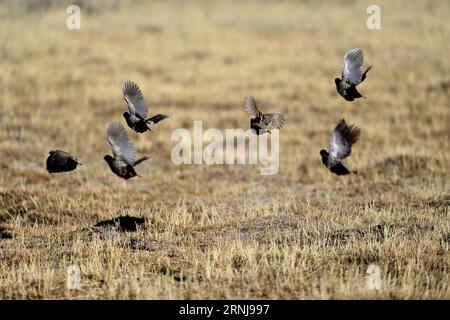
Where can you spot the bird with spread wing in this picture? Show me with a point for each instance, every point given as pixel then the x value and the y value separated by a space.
pixel 342 139
pixel 261 123
pixel 138 109
pixel 352 75
pixel 124 152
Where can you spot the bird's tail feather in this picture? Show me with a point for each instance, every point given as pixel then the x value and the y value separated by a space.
pixel 141 160
pixel 156 118
pixel 365 72
pixel 354 92
pixel 345 164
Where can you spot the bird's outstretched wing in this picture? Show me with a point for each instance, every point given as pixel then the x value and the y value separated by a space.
pixel 342 139
pixel 135 100
pixel 352 70
pixel 251 107
pixel 274 120
pixel 123 148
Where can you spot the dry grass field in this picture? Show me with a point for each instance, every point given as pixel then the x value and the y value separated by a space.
pixel 225 231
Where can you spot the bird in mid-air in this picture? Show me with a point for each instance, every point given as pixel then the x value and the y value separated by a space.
pixel 123 162
pixel 61 161
pixel 352 75
pixel 262 123
pixel 342 139
pixel 136 118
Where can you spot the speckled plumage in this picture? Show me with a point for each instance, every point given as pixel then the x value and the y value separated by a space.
pixel 261 123
pixel 61 161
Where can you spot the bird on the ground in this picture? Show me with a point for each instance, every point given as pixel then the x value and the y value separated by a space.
pixel 138 109
pixel 61 161
pixel 342 139
pixel 261 123
pixel 352 75
pixel 123 162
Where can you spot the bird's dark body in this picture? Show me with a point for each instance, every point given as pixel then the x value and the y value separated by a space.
pixel 339 169
pixel 124 171
pixel 141 125
pixel 255 125
pixel 136 123
pixel 334 166
pixel 60 161
pixel 346 90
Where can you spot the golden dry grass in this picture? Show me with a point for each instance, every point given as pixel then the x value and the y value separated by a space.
pixel 226 231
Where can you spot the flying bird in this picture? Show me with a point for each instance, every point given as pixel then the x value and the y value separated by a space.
pixel 61 161
pixel 138 109
pixel 342 139
pixel 262 123
pixel 352 75
pixel 123 162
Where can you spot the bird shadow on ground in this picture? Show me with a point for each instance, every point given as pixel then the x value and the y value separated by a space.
pixel 122 223
pixel 5 234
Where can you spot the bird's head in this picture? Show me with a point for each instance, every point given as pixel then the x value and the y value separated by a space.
pixel 108 158
pixel 126 115
pixel 323 153
pixel 337 80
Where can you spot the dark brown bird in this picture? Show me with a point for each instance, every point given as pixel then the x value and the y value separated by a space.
pixel 61 161
pixel 123 162
pixel 123 223
pixel 352 75
pixel 262 123
pixel 342 139
pixel 138 107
